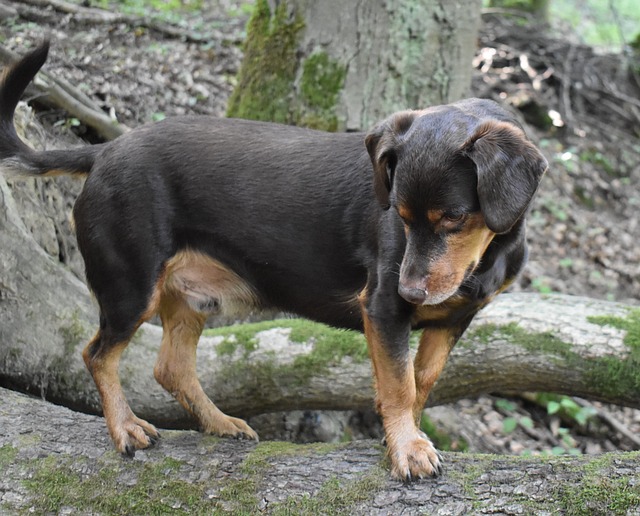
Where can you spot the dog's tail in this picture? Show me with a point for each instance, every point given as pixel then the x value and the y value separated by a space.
pixel 16 158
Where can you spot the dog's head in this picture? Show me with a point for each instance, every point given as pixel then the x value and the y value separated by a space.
pixel 457 175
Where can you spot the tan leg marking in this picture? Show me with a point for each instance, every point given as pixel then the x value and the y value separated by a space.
pixel 411 453
pixel 128 432
pixel 434 349
pixel 175 368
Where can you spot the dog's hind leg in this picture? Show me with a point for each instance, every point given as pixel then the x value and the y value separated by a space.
pixel 175 368
pixel 102 357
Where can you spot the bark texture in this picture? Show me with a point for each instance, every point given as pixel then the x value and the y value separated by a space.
pixel 308 66
pixel 49 469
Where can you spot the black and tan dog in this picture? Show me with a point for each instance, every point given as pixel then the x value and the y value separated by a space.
pixel 196 216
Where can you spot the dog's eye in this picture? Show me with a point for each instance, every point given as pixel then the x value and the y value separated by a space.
pixel 452 221
pixel 453 217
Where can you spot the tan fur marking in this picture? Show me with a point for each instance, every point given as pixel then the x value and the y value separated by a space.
pixel 434 349
pixel 463 249
pixel 405 213
pixel 439 311
pixel 410 451
pixel 434 216
pixel 188 280
pixel 175 368
pixel 126 430
pixel 198 277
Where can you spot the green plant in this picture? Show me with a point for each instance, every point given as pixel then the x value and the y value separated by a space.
pixel 541 285
pixel 565 407
pixel 512 419
pixel 600 160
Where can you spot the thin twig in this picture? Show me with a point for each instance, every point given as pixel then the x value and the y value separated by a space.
pixel 610 420
pixel 72 100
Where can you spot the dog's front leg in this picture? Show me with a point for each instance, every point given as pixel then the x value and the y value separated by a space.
pixel 434 349
pixel 411 453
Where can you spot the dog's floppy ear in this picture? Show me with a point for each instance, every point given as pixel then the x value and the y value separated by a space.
pixel 509 169
pixel 382 144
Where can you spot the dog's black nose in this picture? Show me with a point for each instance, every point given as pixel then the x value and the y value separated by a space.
pixel 417 296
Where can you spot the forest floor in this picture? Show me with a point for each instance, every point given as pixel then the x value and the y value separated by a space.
pixel 584 227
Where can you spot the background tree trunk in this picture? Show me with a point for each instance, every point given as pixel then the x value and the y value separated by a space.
pixel 337 65
pixel 46 468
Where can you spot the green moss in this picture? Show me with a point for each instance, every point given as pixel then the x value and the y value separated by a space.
pixel 329 347
pixel 321 82
pixel 631 324
pixel 600 492
pixel 269 66
pixel 275 83
pixel 482 334
pixel 469 477
pixel 74 332
pixel 616 375
pixel 258 459
pixel 336 496
pixel 543 341
pixel 58 482
pixel 612 375
pixel 240 494
pixel 7 455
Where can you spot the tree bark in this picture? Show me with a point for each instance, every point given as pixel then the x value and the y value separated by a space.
pixel 49 469
pixel 338 65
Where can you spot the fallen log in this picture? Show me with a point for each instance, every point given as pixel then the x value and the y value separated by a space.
pixel 57 461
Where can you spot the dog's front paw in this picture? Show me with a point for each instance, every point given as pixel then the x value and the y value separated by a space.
pixel 414 458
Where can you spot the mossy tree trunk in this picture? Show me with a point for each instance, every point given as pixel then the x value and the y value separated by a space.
pixel 344 65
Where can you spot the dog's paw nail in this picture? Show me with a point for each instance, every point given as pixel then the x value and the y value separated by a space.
pixel 129 452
